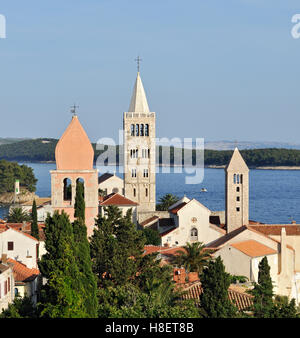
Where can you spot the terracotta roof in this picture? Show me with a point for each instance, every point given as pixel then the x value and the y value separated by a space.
pixel 253 248
pixel 7 227
pixel 149 249
pixel 116 199
pixel 3 267
pixel 25 229
pixel 149 220
pixel 22 273
pixel 275 229
pixel 177 208
pixel 241 300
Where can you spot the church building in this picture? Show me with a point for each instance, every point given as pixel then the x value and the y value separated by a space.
pixel 74 156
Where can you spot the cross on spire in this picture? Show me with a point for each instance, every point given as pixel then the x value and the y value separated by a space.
pixel 73 109
pixel 138 60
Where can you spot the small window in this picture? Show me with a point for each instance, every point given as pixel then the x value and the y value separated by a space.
pixel 137 130
pixel 238 198
pixel 234 178
pixel 146 192
pixel 237 189
pixel 8 283
pixel 10 246
pixel 134 192
pixel 146 173
pixel 142 130
pixel 146 129
pixel 132 130
pixel 241 178
pixel 16 291
pixel 133 172
pixel 238 179
pixel 237 209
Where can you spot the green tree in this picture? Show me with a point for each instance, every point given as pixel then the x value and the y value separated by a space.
pixel 20 308
pixel 83 256
pixel 61 296
pixel 194 257
pixel 283 308
pixel 34 223
pixel 214 298
pixel 79 202
pixel 166 201
pixel 151 236
pixel 116 247
pixel 263 291
pixel 17 215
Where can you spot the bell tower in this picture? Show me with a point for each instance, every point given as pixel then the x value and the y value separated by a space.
pixel 74 156
pixel 237 192
pixel 139 150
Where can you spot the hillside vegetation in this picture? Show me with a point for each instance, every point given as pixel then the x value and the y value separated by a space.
pixel 43 150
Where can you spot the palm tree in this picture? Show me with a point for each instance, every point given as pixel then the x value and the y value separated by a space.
pixel 17 215
pixel 193 258
pixel 166 201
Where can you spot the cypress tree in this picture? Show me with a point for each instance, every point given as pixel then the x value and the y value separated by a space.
pixel 263 291
pixel 79 202
pixel 214 298
pixel 83 256
pixel 34 224
pixel 61 296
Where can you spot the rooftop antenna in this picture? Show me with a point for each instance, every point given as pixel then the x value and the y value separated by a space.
pixel 138 60
pixel 73 109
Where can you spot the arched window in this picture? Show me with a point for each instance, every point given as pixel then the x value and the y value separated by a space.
pixel 194 234
pixel 146 129
pixel 134 192
pixel 238 179
pixel 137 130
pixel 241 178
pixel 146 192
pixel 234 178
pixel 132 130
pixel 67 189
pixel 142 130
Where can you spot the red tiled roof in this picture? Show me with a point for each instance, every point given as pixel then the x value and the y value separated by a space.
pixel 22 273
pixel 253 248
pixel 177 208
pixel 275 229
pixel 241 300
pixel 222 240
pixel 116 199
pixel 3 229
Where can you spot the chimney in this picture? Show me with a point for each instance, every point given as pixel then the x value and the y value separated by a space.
pixel 283 253
pixel 24 226
pixel 4 258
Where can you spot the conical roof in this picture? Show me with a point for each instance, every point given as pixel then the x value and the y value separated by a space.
pixel 237 163
pixel 138 100
pixel 74 150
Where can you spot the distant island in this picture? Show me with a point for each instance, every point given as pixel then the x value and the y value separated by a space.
pixel 43 150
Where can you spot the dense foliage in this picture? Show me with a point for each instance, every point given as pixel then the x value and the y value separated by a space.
pixel 152 236
pixel 11 171
pixel 264 304
pixel 37 150
pixel 214 298
pixel 131 284
pixel 17 215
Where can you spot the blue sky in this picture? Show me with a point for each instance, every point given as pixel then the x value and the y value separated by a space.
pixel 222 70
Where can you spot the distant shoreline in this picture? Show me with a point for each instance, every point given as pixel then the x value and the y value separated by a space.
pixel 210 166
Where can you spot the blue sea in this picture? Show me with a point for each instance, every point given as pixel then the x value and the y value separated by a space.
pixel 274 194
